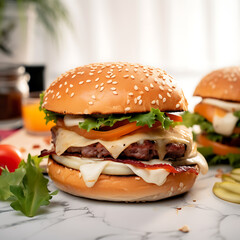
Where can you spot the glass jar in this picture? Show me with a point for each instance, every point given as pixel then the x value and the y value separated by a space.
pixel 13 88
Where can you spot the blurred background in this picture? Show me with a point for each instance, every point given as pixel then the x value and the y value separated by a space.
pixel 186 38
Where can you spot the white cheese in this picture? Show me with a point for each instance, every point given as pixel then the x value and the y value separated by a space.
pixel 70 120
pixel 224 125
pixel 178 134
pixel 92 168
pixel 228 106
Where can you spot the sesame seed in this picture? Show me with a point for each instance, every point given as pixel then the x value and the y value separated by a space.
pixel 70 85
pixel 153 102
pixel 178 105
pixel 113 88
pixel 147 75
pixel 93 97
pixel 88 80
pixel 59 97
pixel 130 94
pixel 107 76
pixel 81 82
pixel 139 97
pixel 151 85
pixel 127 108
pixel 65 83
pixel 140 102
pixel 90 73
pixel 114 82
pixel 155 80
pixel 90 103
pixel 126 76
pixel 157 102
pixel 132 77
pixel 146 88
pixel 163 83
pixel 73 76
pixel 72 94
pixel 67 90
pixel 160 96
pixel 101 89
pixel 60 85
pixel 57 94
pixel 168 94
pixel 126 70
pixel 128 101
pixel 113 76
pixel 135 69
pixel 96 79
pixel 164 99
pixel 161 87
pixel 170 90
pixel 136 87
pixel 114 92
pixel 135 100
pixel 101 84
pixel 96 86
pixel 99 71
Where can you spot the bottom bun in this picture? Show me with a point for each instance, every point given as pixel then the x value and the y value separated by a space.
pixel 119 188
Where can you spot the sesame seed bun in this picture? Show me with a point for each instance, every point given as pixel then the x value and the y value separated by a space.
pixel 114 87
pixel 223 84
pixel 119 188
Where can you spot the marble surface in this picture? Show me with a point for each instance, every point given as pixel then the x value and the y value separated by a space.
pixel 70 217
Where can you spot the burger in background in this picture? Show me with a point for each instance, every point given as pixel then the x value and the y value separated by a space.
pixel 117 137
pixel 218 115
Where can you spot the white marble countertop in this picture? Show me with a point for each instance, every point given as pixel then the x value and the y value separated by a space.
pixel 70 217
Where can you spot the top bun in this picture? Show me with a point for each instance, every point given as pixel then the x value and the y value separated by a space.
pixel 223 84
pixel 114 87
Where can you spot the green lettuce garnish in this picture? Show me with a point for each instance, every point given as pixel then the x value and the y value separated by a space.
pixel 213 159
pixel 49 115
pixel 26 188
pixel 141 119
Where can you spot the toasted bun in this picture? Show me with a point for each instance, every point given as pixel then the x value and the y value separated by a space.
pixel 118 87
pixel 223 84
pixel 119 188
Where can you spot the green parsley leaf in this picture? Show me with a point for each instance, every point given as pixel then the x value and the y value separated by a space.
pixel 141 119
pixel 49 115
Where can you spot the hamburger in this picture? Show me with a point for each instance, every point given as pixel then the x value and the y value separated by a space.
pixel 218 115
pixel 117 136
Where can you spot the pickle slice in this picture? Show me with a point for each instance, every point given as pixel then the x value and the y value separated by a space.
pixel 236 171
pixel 236 177
pixel 225 194
pixel 227 178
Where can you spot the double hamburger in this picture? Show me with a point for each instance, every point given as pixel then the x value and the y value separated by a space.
pixel 117 135
pixel 218 115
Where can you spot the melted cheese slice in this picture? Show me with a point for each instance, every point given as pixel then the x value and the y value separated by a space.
pixel 92 168
pixel 223 124
pixel 178 134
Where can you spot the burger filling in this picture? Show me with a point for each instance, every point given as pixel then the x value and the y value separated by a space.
pixel 219 135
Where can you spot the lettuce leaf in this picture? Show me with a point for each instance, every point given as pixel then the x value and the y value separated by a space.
pixel 237 114
pixel 49 115
pixel 26 188
pixel 141 119
pixel 213 159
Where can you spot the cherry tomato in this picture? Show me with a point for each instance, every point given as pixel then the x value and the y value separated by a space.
pixel 10 156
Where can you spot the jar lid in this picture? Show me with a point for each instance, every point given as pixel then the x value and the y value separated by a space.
pixel 11 71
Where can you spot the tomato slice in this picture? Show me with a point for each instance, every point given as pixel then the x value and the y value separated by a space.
pixel 218 148
pixel 174 117
pixel 10 156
